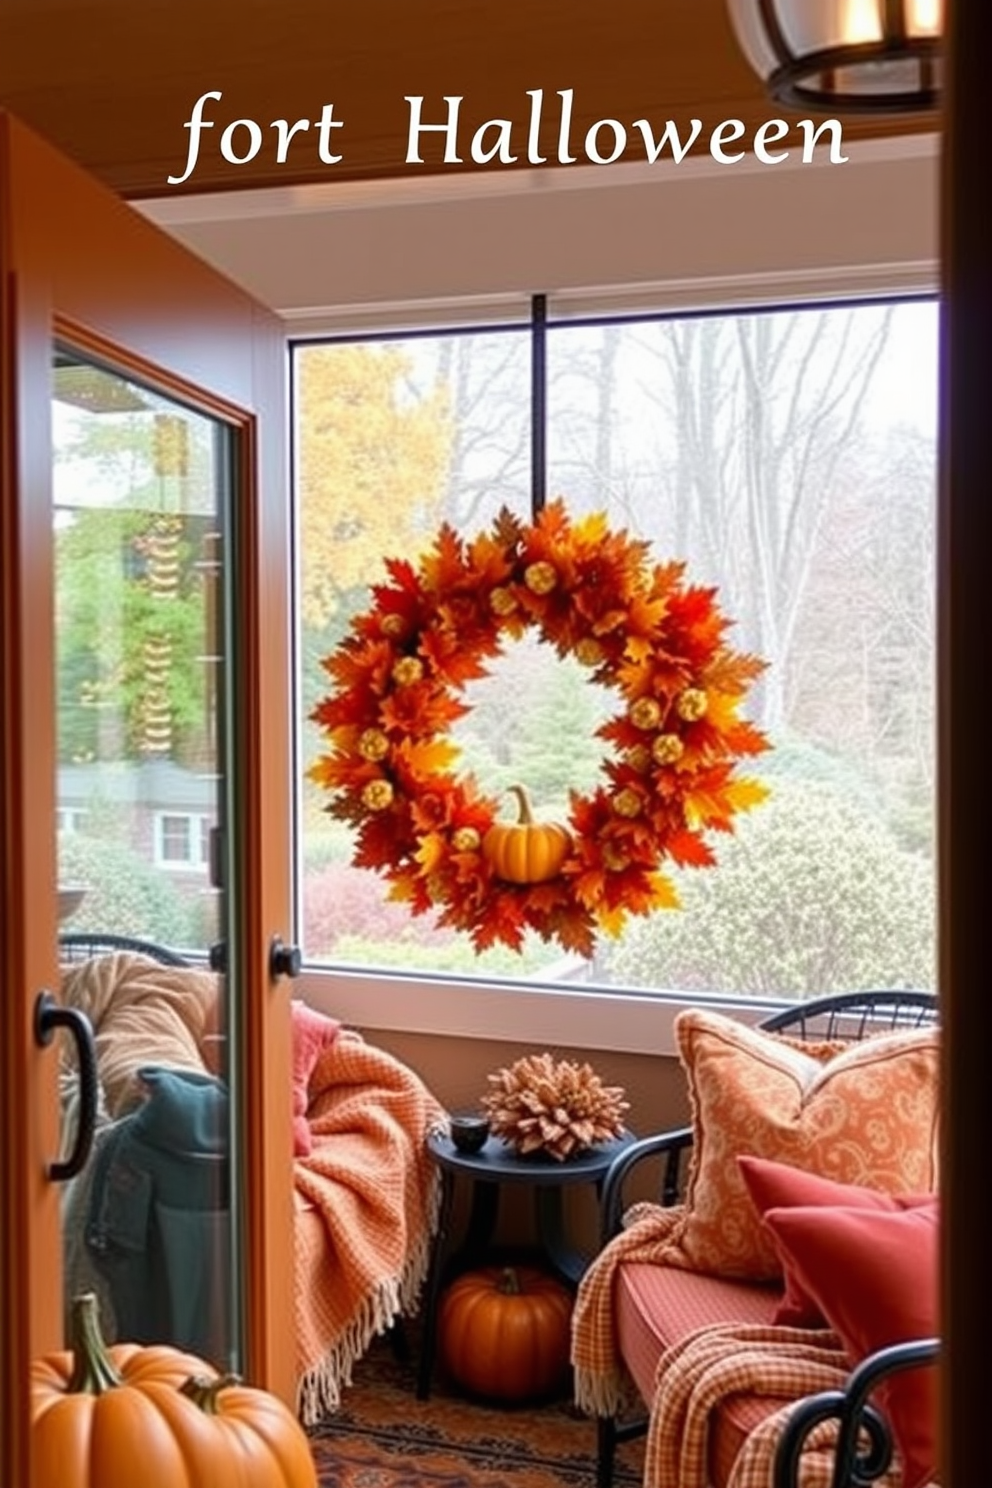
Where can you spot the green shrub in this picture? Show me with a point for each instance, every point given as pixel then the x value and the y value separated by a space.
pixel 125 893
pixel 809 896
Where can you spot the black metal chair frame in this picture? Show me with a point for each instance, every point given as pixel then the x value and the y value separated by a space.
pixel 847 1015
pixel 864 1441
pixel 80 945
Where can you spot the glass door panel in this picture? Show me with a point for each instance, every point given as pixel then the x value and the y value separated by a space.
pixel 144 760
pixel 141 499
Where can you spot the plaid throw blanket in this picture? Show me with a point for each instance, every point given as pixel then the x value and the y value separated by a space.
pixel 602 1386
pixel 706 1367
pixel 376 1190
pixel 700 1372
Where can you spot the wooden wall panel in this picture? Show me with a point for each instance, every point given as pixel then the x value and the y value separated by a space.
pixel 111 83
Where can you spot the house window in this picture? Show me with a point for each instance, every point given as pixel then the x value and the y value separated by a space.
pixel 182 841
pixel 71 819
pixel 788 457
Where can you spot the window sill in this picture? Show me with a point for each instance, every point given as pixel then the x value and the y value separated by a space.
pixel 621 1022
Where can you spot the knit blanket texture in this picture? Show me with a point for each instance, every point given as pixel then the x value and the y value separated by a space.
pixel 376 1189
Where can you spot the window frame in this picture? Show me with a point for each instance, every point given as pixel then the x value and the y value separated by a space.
pixel 639 238
pixel 617 1019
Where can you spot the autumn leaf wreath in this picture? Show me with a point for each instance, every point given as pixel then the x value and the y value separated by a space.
pixel 668 781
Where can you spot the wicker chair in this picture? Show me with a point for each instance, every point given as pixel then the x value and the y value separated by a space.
pixel 851 1016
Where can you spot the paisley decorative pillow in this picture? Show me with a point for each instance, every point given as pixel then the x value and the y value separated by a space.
pixel 867 1116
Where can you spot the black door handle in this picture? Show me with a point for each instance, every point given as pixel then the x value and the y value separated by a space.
pixel 48 1016
pixel 284 960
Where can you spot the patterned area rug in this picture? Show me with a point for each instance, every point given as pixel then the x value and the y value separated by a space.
pixel 384 1437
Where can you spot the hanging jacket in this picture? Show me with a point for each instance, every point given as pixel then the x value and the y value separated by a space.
pixel 158 1226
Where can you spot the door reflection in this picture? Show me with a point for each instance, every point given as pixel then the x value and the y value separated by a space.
pixel 141 493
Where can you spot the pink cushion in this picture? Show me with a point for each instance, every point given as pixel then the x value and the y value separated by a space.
pixel 313 1032
pixel 774 1185
pixel 873 1274
pixel 656 1306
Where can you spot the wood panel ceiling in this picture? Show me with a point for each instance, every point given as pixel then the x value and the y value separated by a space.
pixel 111 82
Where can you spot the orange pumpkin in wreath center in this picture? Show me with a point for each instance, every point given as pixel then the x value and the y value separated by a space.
pixel 526 851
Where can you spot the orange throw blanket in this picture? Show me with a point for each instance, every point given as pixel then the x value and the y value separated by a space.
pixel 367 1210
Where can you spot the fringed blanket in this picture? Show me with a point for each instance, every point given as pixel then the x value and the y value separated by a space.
pixel 366 1196
pixel 700 1372
pixel 704 1369
pixel 370 1179
pixel 602 1386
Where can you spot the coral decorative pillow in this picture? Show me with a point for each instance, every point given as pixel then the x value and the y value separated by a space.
pixel 312 1033
pixel 874 1275
pixel 867 1116
pixel 775 1185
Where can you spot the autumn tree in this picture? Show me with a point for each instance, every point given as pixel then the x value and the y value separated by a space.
pixel 131 678
pixel 373 460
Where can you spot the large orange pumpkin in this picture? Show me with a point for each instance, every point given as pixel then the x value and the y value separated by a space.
pixel 504 1332
pixel 127 1415
pixel 526 851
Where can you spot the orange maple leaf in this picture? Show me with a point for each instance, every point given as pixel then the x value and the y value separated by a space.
pixel 689 850
pixel 443 568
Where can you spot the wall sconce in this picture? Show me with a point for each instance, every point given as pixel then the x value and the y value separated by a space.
pixel 867 56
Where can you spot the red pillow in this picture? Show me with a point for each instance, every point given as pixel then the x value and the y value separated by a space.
pixel 775 1185
pixel 874 1276
pixel 312 1033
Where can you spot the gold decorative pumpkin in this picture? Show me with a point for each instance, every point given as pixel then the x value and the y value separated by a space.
pixel 526 851
pixel 126 1415
pixel 504 1332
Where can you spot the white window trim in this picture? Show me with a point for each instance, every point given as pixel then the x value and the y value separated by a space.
pixel 71 819
pixel 453 249
pixel 447 250
pixel 621 1022
pixel 193 864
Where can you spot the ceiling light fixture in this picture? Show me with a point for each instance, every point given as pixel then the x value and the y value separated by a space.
pixel 867 56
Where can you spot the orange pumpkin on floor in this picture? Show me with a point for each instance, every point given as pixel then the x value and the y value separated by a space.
pixel 122 1416
pixel 504 1332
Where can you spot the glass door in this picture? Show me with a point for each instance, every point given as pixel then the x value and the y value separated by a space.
pixel 145 785
pixel 141 528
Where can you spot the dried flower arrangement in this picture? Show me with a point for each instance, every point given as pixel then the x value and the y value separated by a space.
pixel 554 1107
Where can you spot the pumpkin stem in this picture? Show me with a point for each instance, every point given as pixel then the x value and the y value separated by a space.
pixel 526 816
pixel 93 1370
pixel 509 1283
pixel 203 1391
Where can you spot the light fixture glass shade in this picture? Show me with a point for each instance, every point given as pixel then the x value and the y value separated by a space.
pixel 859 55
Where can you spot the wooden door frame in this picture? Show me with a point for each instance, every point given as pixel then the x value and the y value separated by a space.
pixel 203 340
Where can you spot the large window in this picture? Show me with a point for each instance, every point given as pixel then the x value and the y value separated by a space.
pixel 787 457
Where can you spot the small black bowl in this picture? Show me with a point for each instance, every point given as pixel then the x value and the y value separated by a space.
pixel 469 1132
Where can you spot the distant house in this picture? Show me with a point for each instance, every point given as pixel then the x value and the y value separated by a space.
pixel 163 812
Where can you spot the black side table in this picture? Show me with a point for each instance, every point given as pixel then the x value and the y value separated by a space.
pixel 495 1165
